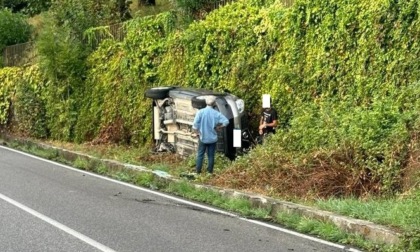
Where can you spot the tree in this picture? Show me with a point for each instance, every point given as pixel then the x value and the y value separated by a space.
pixel 30 7
pixel 13 28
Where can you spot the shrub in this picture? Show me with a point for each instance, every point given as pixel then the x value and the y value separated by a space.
pixel 13 29
pixel 63 53
pixel 8 77
pixel 29 104
pixel 62 62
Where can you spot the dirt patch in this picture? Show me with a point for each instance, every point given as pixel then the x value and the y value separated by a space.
pixel 165 157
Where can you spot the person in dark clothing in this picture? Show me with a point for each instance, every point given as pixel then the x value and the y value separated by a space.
pixel 269 120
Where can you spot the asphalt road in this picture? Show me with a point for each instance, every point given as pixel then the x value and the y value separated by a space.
pixel 45 206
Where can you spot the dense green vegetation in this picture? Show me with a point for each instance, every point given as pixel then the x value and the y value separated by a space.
pixel 14 29
pixel 114 107
pixel 30 7
pixel 344 77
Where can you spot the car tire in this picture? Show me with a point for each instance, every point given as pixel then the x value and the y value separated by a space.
pixel 158 92
pixel 198 103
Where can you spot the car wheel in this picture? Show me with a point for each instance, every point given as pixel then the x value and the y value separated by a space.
pixel 198 103
pixel 158 92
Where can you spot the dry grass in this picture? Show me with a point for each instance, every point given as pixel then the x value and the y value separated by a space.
pixel 324 175
pixel 411 173
pixel 37 23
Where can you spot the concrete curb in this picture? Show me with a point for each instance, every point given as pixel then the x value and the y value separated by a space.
pixel 369 230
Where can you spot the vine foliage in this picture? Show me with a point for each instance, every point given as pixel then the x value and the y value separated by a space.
pixel 344 77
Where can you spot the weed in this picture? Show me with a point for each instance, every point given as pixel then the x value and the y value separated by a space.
pixel 144 179
pixel 81 163
pixel 325 230
pixel 102 169
pixel 411 241
pixel 399 212
pixel 214 198
pixel 41 152
pixel 122 176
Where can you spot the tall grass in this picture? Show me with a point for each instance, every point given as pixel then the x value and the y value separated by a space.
pixel 401 212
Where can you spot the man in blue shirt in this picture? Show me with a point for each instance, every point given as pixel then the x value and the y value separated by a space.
pixel 206 122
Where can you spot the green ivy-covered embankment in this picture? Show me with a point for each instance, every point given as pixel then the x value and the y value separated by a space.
pixel 343 76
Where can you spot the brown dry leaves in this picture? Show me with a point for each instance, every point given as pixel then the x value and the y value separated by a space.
pixel 324 175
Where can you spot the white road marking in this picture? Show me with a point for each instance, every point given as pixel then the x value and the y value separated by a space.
pixel 57 224
pixel 283 230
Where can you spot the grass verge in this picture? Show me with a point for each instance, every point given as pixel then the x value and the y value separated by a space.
pixel 401 212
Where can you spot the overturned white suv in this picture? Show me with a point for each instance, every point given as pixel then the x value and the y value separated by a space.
pixel 174 109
